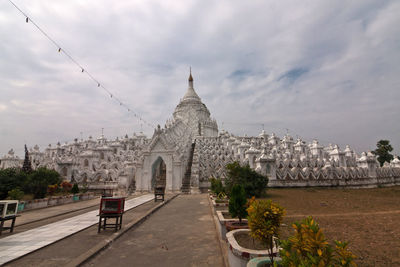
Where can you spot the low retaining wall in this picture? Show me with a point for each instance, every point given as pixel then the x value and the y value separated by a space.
pixel 57 200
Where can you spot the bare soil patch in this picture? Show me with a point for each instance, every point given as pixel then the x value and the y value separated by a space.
pixel 367 218
pixel 246 241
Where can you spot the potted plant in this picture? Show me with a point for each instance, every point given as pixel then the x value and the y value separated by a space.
pixel 308 246
pixel 237 208
pixel 264 219
pixel 17 194
pixel 75 191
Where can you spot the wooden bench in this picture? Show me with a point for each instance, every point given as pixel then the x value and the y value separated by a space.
pixel 159 193
pixel 103 221
pixel 11 228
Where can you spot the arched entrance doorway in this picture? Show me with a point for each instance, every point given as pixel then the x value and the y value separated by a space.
pixel 159 174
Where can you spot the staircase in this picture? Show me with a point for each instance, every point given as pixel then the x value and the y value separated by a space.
pixel 186 179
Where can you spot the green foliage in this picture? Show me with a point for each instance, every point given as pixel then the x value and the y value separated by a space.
pixel 216 186
pixel 237 202
pixel 382 151
pixel 265 218
pixel 75 189
pixel 16 193
pixel 308 247
pixel 10 179
pixel 254 183
pixel 39 180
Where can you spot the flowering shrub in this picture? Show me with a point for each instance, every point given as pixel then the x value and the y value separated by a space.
pixel 308 247
pixel 264 218
pixel 51 189
pixel 66 186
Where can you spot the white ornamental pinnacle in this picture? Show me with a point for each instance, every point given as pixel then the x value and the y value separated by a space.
pixel 195 114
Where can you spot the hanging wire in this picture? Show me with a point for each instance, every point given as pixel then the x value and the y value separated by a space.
pixel 83 70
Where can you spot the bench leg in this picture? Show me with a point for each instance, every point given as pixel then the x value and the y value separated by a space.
pixel 1 226
pixel 12 225
pixel 99 227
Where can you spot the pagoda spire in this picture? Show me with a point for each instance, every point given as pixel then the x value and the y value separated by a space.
pixel 190 79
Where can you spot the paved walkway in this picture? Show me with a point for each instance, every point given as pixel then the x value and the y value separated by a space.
pixel 40 214
pixel 182 233
pixel 17 245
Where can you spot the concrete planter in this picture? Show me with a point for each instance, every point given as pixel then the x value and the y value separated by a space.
pixel 262 261
pixel 222 222
pixel 220 205
pixel 239 256
pixel 21 206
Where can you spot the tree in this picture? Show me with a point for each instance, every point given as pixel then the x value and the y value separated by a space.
pixel 27 166
pixel 39 180
pixel 254 183
pixel 75 189
pixel 265 218
pixel 382 151
pixel 237 202
pixel 10 179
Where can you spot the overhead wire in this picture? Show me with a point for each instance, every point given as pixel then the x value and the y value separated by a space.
pixel 60 49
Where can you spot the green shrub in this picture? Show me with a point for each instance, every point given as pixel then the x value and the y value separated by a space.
pixel 265 218
pixel 16 193
pixel 237 202
pixel 254 183
pixel 216 186
pixel 40 179
pixel 309 247
pixel 75 189
pixel 10 179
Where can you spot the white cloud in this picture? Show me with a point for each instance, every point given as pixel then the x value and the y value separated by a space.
pixel 322 69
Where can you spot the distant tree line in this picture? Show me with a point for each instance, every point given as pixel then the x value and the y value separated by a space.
pixel 33 182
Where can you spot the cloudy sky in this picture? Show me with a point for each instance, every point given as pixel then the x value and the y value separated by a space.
pixel 321 69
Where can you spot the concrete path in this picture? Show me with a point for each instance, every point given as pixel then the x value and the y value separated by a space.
pixel 182 233
pixel 34 215
pixel 17 245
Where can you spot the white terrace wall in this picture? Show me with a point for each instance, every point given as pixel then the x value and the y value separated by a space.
pixel 212 154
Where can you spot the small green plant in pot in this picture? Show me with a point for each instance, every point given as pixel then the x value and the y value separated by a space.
pixel 237 203
pixel 264 219
pixel 309 247
pixel 216 186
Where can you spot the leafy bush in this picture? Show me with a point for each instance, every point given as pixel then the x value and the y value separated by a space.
pixel 254 183
pixel 308 247
pixel 10 179
pixel 216 186
pixel 16 193
pixel 75 189
pixel 265 218
pixel 39 180
pixel 237 202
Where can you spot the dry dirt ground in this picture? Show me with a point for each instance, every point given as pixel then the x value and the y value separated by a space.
pixel 368 218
